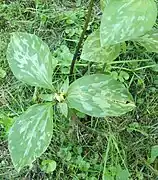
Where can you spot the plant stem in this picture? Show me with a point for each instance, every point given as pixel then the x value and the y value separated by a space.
pixel 86 69
pixel 81 37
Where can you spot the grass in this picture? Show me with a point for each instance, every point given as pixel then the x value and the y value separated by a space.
pixel 97 146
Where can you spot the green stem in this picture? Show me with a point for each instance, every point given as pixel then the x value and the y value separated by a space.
pixel 87 67
pixel 106 157
pixel 82 37
pixel 129 61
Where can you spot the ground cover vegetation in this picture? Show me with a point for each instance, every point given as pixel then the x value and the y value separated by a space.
pixel 85 137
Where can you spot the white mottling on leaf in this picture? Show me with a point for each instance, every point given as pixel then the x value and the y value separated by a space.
pixel 92 50
pixel 28 135
pixel 99 96
pixel 87 106
pixel 139 16
pixel 109 18
pixel 149 41
pixel 30 60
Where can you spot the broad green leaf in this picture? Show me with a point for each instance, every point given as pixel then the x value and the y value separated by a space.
pixel 48 166
pixel 149 41
pixel 30 60
pixel 104 3
pixel 99 95
pixel 126 19
pixel 30 135
pixel 154 154
pixel 92 50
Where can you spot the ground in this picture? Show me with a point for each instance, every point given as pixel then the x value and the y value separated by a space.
pixel 91 147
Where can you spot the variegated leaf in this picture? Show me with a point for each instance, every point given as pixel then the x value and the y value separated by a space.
pixel 104 3
pixel 149 41
pixel 123 20
pixel 30 135
pixel 92 50
pixel 30 60
pixel 99 95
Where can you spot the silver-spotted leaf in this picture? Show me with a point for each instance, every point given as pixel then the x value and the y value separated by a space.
pixel 126 19
pixel 92 50
pixel 149 41
pixel 30 60
pixel 99 95
pixel 30 135
pixel 104 3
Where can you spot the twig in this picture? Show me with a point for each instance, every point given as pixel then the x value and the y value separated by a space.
pixel 81 38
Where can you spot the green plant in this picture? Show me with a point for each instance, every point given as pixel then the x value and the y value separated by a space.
pixel 2 73
pixel 6 123
pixel 96 95
pixel 48 166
